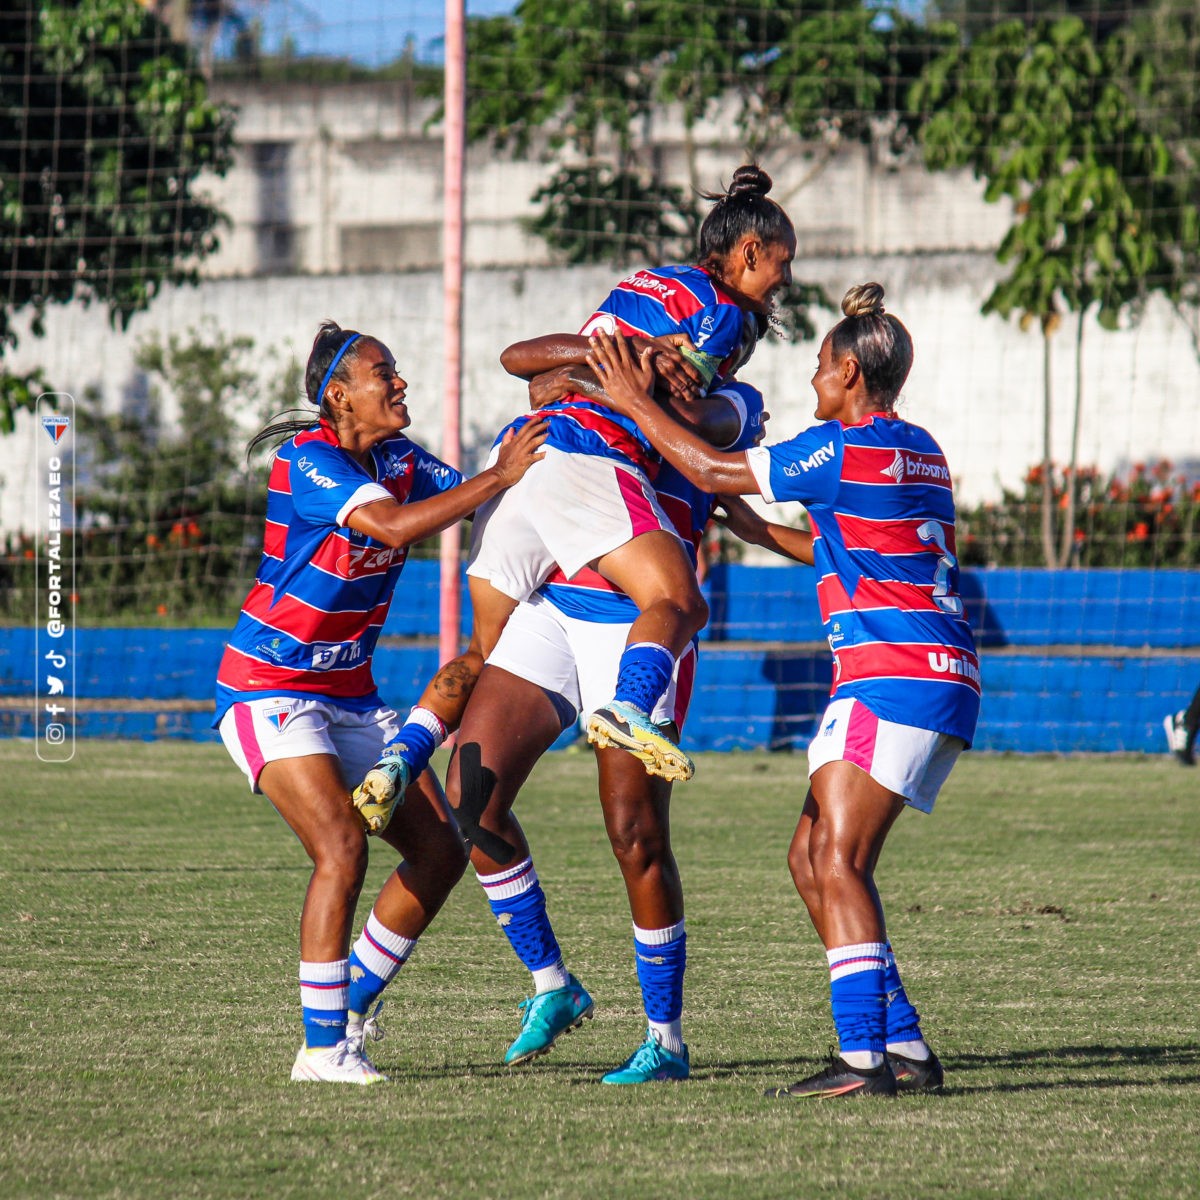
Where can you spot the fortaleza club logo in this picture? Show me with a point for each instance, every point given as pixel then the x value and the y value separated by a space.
pixel 55 426
pixel 278 714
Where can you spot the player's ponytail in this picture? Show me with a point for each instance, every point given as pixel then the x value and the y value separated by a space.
pixel 741 209
pixel 878 341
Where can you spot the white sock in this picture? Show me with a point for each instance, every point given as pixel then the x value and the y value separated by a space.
pixel 550 979
pixel 862 1060
pixel 917 1050
pixel 668 1034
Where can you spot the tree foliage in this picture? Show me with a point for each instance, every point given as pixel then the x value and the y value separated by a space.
pixel 1064 130
pixel 109 128
pixel 587 76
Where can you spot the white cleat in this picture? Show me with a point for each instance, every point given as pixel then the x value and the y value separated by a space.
pixel 343 1063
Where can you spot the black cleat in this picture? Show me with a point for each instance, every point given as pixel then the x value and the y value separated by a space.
pixel 917 1075
pixel 840 1079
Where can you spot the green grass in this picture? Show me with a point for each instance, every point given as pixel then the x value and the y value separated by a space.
pixel 1046 918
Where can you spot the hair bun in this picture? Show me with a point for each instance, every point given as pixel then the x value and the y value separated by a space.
pixel 749 180
pixel 863 300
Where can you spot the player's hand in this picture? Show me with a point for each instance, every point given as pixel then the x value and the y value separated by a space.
pixel 678 377
pixel 627 376
pixel 740 519
pixel 519 450
pixel 550 386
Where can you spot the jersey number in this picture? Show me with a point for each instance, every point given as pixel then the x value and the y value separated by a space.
pixel 933 534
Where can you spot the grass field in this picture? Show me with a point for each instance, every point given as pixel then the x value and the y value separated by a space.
pixel 1046 919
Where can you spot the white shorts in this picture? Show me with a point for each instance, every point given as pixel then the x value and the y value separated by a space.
pixel 256 732
pixel 566 511
pixel 578 659
pixel 913 763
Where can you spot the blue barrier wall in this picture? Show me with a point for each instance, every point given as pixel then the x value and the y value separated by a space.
pixel 1072 660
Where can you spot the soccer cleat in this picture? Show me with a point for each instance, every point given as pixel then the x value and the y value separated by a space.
pixel 649 1063
pixel 621 725
pixel 546 1016
pixel 343 1063
pixel 840 1079
pixel 1177 738
pixel 915 1074
pixel 381 792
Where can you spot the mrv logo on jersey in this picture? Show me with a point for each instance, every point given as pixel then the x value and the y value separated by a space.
pixel 309 471
pixel 818 458
pixel 328 655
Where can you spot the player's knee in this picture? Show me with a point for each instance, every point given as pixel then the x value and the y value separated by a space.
pixel 342 857
pixel 695 613
pixel 637 848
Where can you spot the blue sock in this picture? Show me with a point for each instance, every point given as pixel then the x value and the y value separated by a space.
pixel 323 988
pixel 421 735
pixel 661 960
pixel 519 905
pixel 644 674
pixel 857 993
pixel 376 957
pixel 903 1021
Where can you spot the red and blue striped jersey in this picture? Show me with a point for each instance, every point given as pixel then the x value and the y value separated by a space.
pixel 588 596
pixel 651 303
pixel 882 509
pixel 309 626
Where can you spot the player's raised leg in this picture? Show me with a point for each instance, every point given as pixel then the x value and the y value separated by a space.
pixel 655 572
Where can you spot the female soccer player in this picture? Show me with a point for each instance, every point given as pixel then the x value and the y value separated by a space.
pixel 591 503
pixel 906 686
pixel 296 704
pixel 557 657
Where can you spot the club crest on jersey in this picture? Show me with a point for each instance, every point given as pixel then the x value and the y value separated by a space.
pixel 394 466
pixel 278 714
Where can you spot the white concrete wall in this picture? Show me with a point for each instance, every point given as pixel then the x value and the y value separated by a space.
pixel 976 382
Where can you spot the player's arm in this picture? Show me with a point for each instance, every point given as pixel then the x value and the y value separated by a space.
pixel 628 378
pixel 711 417
pixel 743 522
pixel 560 357
pixel 399 525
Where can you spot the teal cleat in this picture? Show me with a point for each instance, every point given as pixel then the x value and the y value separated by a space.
pixel 650 1063
pixel 545 1017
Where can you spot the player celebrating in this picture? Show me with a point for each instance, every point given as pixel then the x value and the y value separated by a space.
pixel 906 689
pixel 296 703
pixel 590 502
pixel 557 657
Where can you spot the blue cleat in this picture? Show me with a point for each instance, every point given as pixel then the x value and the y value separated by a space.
pixel 381 791
pixel 650 1063
pixel 547 1015
pixel 628 728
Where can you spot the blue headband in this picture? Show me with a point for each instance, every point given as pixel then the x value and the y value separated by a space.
pixel 337 358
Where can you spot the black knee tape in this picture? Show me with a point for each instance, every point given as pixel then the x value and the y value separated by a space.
pixel 475 786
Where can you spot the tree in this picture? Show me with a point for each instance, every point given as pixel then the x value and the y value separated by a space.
pixel 169 517
pixel 110 129
pixel 1052 123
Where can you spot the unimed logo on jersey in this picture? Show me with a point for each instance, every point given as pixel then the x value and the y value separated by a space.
pixel 818 458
